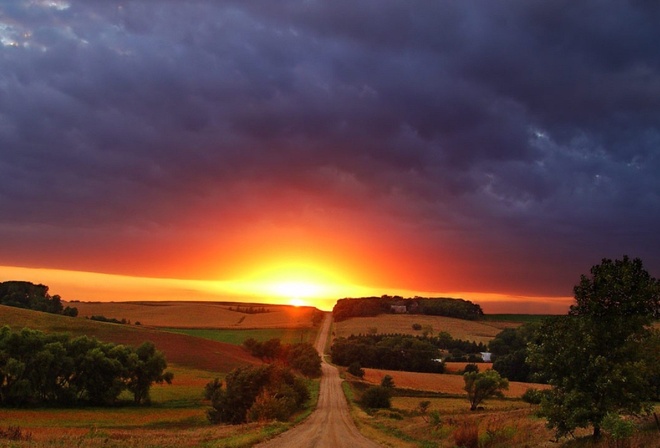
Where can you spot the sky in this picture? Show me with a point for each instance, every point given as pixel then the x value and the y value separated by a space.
pixel 495 150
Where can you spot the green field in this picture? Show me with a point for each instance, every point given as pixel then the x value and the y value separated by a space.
pixel 236 337
pixel 522 318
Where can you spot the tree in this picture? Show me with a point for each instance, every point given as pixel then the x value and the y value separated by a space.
pixel 146 366
pixel 256 393
pixel 482 385
pixel 356 369
pixel 594 358
pixel 387 382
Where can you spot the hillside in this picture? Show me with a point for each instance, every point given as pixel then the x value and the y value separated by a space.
pixel 478 331
pixel 178 348
pixel 199 314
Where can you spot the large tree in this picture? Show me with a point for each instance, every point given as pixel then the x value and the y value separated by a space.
pixel 594 358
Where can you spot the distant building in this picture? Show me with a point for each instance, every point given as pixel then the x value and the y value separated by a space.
pixel 485 356
pixel 399 309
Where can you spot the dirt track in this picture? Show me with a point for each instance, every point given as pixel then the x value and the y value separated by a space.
pixel 330 425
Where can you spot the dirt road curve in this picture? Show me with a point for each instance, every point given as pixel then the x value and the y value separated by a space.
pixel 330 425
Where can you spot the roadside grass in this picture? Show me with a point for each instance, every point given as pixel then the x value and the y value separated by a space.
pixel 236 337
pixel 503 423
pixel 448 423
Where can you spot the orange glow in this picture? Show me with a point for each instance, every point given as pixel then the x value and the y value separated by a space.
pixel 286 283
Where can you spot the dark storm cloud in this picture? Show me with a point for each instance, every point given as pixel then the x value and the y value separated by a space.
pixel 519 129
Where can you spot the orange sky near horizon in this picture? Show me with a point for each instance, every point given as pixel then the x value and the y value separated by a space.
pixel 287 284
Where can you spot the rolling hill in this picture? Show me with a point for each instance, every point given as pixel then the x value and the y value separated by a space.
pixel 179 349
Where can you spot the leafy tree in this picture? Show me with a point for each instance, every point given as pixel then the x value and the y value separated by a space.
pixel 482 385
pixel 40 368
pixel 146 366
pixel 34 297
pixel 594 358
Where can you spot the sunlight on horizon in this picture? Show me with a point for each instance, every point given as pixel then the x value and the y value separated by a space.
pixel 284 286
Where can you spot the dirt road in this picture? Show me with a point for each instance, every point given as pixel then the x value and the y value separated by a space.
pixel 330 425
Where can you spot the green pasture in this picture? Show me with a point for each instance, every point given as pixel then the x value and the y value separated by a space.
pixel 236 337
pixel 522 318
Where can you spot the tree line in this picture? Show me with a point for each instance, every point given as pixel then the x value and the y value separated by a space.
pixel 373 306
pixel 399 352
pixel 38 368
pixel 33 297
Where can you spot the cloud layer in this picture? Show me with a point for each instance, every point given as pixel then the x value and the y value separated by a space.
pixel 495 146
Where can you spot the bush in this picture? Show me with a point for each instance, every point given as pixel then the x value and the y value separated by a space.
pixel 532 396
pixel 417 327
pixel 376 397
pixel 618 429
pixel 467 435
pixel 472 367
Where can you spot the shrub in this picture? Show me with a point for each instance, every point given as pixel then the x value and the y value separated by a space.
pixel 467 435
pixel 472 367
pixel 417 327
pixel 618 429
pixel 532 396
pixel 376 397
pixel 16 434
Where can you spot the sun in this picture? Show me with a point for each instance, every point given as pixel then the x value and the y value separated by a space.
pixel 297 302
pixel 297 284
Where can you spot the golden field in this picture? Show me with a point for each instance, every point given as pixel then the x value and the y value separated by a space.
pixel 478 331
pixel 445 383
pixel 199 314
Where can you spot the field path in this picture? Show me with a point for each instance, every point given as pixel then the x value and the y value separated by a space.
pixel 330 425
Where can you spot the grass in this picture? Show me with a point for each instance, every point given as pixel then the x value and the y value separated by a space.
pixel 503 423
pixel 236 337
pixel 518 318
